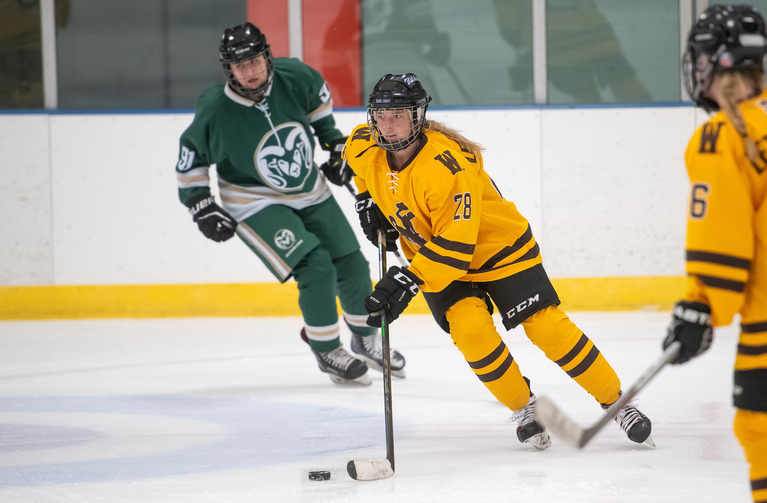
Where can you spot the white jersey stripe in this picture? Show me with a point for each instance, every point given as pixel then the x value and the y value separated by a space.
pixel 325 333
pixel 279 265
pixel 356 320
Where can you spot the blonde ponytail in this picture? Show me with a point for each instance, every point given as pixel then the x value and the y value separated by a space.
pixel 462 141
pixel 744 83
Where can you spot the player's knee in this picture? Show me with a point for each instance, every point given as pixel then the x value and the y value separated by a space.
pixel 315 266
pixel 471 325
pixel 353 264
pixel 751 431
pixel 553 332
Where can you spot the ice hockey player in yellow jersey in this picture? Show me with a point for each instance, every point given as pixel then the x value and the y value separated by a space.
pixel 470 250
pixel 726 249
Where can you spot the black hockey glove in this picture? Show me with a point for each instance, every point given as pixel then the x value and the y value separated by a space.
pixel 213 220
pixel 392 294
pixel 372 219
pixel 335 168
pixel 690 325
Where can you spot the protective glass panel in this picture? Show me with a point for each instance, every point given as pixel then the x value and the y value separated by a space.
pixel 466 53
pixel 612 51
pixel 21 63
pixel 142 54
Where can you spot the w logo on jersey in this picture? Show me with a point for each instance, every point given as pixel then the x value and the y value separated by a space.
pixel 709 137
pixel 362 133
pixel 449 161
pixel 283 159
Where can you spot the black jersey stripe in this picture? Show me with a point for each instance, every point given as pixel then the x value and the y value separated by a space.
pixel 363 152
pixel 531 253
pixel 462 265
pixel 573 352
pixel 753 328
pixel 759 484
pixel 752 350
pixel 454 246
pixel 497 373
pixel 494 355
pixel 722 283
pixel 508 250
pixel 718 258
pixel 584 365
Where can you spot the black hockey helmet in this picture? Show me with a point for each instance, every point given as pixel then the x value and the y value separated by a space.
pixel 242 43
pixel 398 92
pixel 724 38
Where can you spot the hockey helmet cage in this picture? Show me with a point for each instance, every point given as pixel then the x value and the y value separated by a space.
pixel 398 92
pixel 242 43
pixel 724 38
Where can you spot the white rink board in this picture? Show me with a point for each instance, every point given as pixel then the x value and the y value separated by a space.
pixel 26 251
pixel 614 190
pixel 94 196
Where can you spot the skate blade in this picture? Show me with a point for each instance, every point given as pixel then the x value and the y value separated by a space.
pixel 372 364
pixel 363 380
pixel 540 441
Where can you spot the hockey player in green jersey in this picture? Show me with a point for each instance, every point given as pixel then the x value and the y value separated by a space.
pixel 257 130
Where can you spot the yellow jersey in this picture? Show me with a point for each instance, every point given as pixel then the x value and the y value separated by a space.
pixel 454 224
pixel 726 249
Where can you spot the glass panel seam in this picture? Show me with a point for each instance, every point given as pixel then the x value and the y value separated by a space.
pixel 295 29
pixel 48 41
pixel 540 90
pixel 685 23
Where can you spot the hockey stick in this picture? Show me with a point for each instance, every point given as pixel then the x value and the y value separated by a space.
pixel 557 421
pixel 376 469
pixel 396 253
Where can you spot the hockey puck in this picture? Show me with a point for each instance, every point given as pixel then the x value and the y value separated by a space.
pixel 319 475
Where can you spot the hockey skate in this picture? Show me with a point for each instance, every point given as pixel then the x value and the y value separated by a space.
pixel 370 349
pixel 636 425
pixel 528 429
pixel 341 367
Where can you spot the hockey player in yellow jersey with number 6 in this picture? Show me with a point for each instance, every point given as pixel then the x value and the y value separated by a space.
pixel 424 185
pixel 726 249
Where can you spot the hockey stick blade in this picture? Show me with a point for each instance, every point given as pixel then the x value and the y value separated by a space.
pixel 562 425
pixel 369 469
pixel 558 422
pixel 380 469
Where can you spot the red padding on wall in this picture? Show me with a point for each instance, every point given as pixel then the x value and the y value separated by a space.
pixel 271 16
pixel 332 46
pixel 331 35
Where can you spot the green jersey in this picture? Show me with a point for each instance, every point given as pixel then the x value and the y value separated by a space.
pixel 263 151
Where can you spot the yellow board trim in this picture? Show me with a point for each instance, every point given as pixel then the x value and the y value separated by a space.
pixel 275 299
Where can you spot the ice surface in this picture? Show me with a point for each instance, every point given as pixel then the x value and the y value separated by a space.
pixel 235 410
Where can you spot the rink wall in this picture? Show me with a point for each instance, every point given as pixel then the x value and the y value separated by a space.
pixel 92 226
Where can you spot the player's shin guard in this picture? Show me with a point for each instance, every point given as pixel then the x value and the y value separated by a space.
pixel 473 332
pixel 566 345
pixel 751 431
pixel 354 285
pixel 316 278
